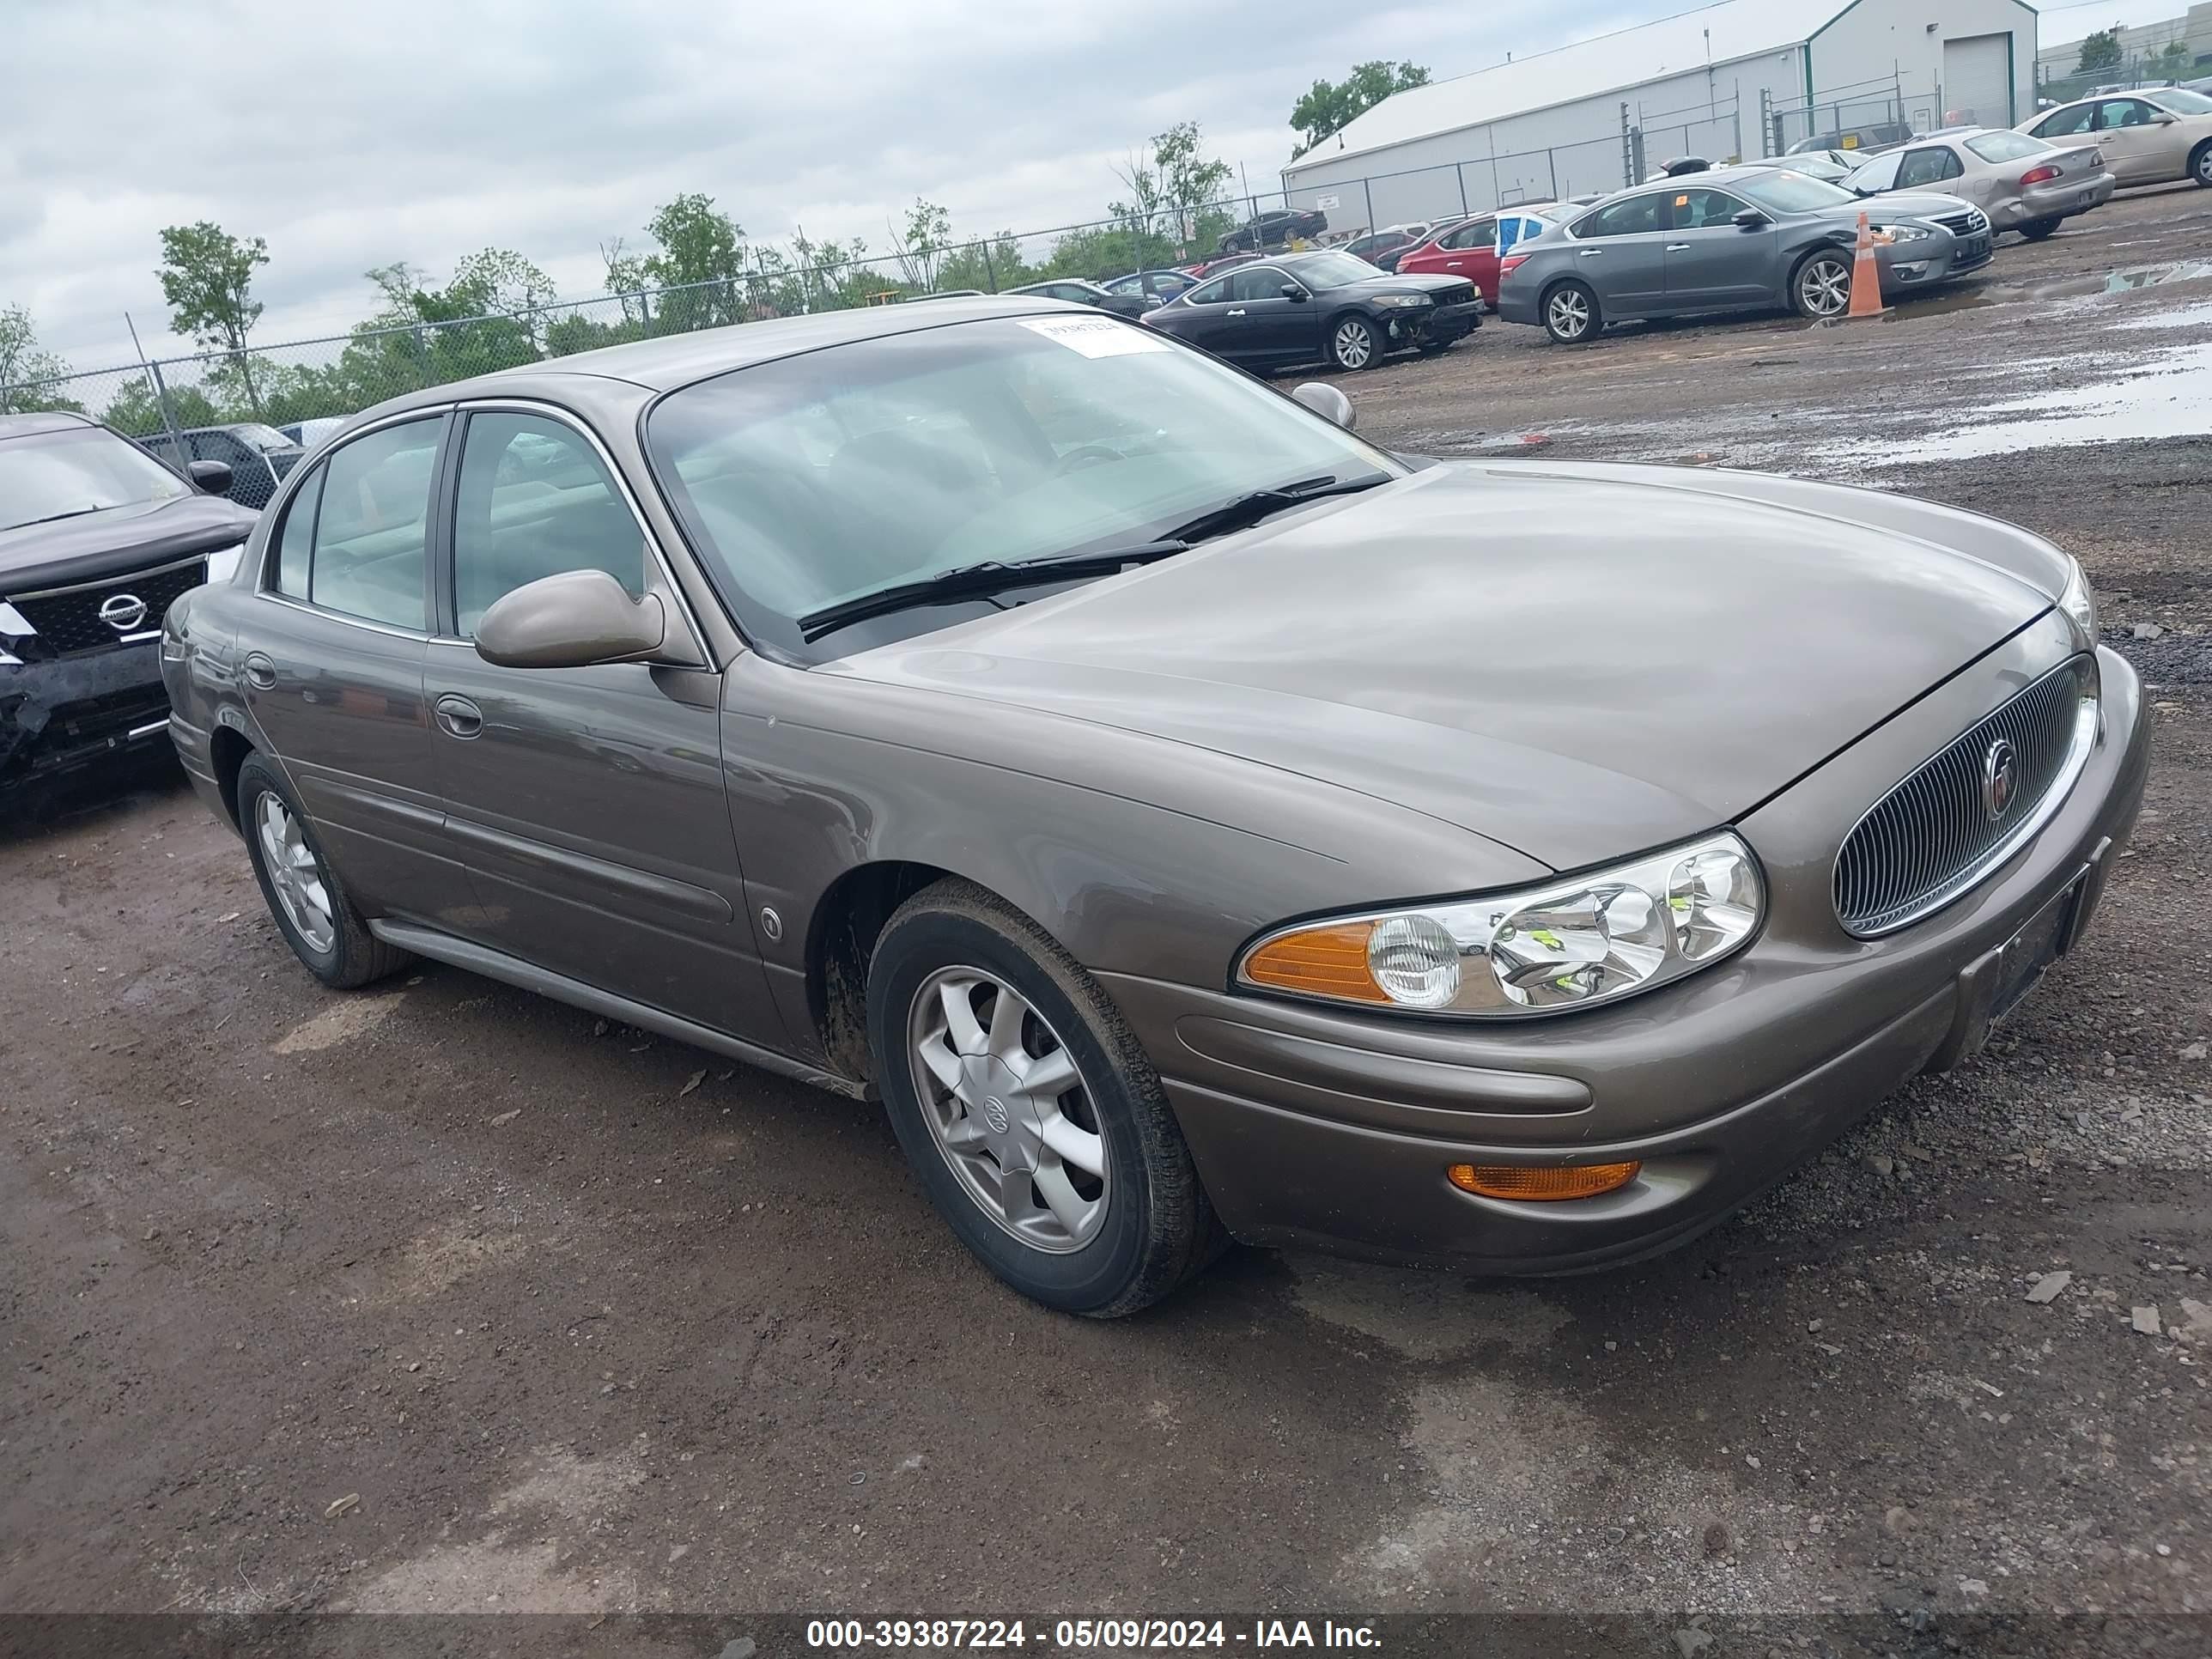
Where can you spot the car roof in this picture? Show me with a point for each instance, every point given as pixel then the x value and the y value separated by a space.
pixel 677 359
pixel 57 420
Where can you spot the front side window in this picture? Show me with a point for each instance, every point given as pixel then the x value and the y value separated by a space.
pixel 2001 147
pixel 1633 218
pixel 1209 294
pixel 1002 439
pixel 2060 122
pixel 77 470
pixel 1923 168
pixel 372 528
pixel 1706 210
pixel 1257 283
pixel 2115 112
pixel 535 500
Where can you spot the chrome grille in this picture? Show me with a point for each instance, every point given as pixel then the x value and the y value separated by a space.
pixel 1969 223
pixel 1934 835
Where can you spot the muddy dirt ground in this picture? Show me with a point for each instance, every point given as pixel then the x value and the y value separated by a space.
pixel 579 1340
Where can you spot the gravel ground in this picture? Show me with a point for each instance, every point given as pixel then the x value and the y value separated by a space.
pixel 572 1339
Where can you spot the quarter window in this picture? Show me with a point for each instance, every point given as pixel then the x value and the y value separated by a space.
pixel 372 526
pixel 535 501
pixel 295 546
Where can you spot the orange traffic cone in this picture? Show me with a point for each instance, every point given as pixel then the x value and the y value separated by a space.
pixel 1866 276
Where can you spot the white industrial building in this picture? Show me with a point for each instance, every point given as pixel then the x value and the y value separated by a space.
pixel 1745 78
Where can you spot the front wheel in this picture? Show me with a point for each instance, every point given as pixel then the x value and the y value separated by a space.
pixel 1355 342
pixel 1822 287
pixel 2200 164
pixel 2036 229
pixel 1027 1108
pixel 1571 314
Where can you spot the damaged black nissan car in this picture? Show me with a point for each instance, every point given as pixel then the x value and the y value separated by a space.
pixel 97 538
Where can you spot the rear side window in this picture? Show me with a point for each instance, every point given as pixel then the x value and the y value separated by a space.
pixel 370 556
pixel 296 543
pixel 535 501
pixel 1481 234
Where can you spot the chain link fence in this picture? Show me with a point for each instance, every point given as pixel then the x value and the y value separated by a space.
pixel 1864 116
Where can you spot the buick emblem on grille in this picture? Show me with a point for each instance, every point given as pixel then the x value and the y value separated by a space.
pixel 123 612
pixel 2000 773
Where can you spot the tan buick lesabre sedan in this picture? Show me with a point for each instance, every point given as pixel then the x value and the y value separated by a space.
pixel 1188 820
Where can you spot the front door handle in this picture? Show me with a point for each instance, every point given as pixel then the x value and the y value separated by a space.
pixel 259 670
pixel 1455 264
pixel 1678 248
pixel 1589 253
pixel 1239 312
pixel 460 716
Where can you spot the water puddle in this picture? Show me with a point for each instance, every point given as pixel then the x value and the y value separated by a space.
pixel 1985 295
pixel 2168 395
pixel 2195 316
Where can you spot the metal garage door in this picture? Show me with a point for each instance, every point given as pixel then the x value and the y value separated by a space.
pixel 1977 79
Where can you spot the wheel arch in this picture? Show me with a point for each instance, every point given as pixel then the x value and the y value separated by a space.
pixel 840 941
pixel 228 748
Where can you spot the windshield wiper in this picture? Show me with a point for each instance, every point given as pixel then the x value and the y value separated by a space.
pixel 54 517
pixel 1243 510
pixel 970 581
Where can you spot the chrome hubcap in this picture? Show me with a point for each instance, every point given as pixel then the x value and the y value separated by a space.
pixel 1826 287
pixel 1354 345
pixel 1570 313
pixel 292 871
pixel 1009 1110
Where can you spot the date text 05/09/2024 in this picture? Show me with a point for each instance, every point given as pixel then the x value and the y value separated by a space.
pixel 1123 1635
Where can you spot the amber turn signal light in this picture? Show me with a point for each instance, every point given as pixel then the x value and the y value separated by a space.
pixel 1330 961
pixel 1542 1185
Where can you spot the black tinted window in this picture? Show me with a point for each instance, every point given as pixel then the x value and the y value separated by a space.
pixel 1481 234
pixel 1257 283
pixel 1628 218
pixel 1702 210
pixel 1213 292
pixel 2062 122
pixel 535 501
pixel 372 528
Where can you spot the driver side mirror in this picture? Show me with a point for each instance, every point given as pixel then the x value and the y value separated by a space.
pixel 213 478
pixel 2166 118
pixel 1292 291
pixel 1750 219
pixel 1327 402
pixel 573 620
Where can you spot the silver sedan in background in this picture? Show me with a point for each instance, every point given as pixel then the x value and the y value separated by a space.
pixel 2022 183
pixel 1733 238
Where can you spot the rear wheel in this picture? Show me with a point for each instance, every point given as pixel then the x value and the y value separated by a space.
pixel 2036 229
pixel 1355 342
pixel 1822 285
pixel 1029 1110
pixel 1571 314
pixel 304 893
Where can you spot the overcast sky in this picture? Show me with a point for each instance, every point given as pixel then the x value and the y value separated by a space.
pixel 352 135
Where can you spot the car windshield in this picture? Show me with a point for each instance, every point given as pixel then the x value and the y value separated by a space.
pixel 817 478
pixel 1327 270
pixel 2181 101
pixel 1790 192
pixel 2005 146
pixel 58 475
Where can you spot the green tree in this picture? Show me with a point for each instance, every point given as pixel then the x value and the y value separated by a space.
pixel 2099 51
pixel 921 244
pixel 1169 194
pixel 24 365
pixel 2174 58
pixel 1331 105
pixel 134 409
pixel 698 248
pixel 207 277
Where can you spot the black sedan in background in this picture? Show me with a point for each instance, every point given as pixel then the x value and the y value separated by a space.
pixel 1078 292
pixel 1275 228
pixel 1310 308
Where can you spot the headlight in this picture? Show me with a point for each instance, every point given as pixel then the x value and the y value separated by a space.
pixel 1904 232
pixel 222 563
pixel 1587 939
pixel 2079 603
pixel 1403 299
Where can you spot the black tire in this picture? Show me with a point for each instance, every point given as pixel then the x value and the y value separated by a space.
pixel 1805 305
pixel 1343 334
pixel 354 957
pixel 1571 313
pixel 1157 1228
pixel 2200 165
pixel 2036 229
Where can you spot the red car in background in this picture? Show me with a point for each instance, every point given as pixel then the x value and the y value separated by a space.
pixel 1471 247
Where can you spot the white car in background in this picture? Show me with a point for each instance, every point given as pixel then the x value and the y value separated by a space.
pixel 2150 138
pixel 2023 184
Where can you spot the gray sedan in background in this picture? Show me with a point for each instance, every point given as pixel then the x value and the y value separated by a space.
pixel 1733 238
pixel 2023 184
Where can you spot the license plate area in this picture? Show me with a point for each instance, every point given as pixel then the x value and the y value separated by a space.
pixel 1974 247
pixel 2030 951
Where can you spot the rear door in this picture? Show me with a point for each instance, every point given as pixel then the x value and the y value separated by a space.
pixel 1713 261
pixel 333 672
pixel 587 803
pixel 1621 252
pixel 1202 316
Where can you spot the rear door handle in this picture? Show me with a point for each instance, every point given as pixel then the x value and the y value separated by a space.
pixel 460 716
pixel 1455 264
pixel 1678 248
pixel 1238 311
pixel 259 670
pixel 1589 253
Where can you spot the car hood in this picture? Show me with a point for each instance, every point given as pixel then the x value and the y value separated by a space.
pixel 1394 283
pixel 118 538
pixel 1900 205
pixel 1576 661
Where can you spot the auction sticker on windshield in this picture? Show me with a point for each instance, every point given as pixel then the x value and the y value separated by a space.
pixel 1095 336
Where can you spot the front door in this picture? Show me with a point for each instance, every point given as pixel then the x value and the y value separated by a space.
pixel 1267 326
pixel 1621 251
pixel 1713 261
pixel 587 803
pixel 2128 133
pixel 335 678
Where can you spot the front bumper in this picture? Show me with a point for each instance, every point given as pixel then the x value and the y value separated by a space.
pixel 1334 1130
pixel 67 712
pixel 1936 260
pixel 1436 326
